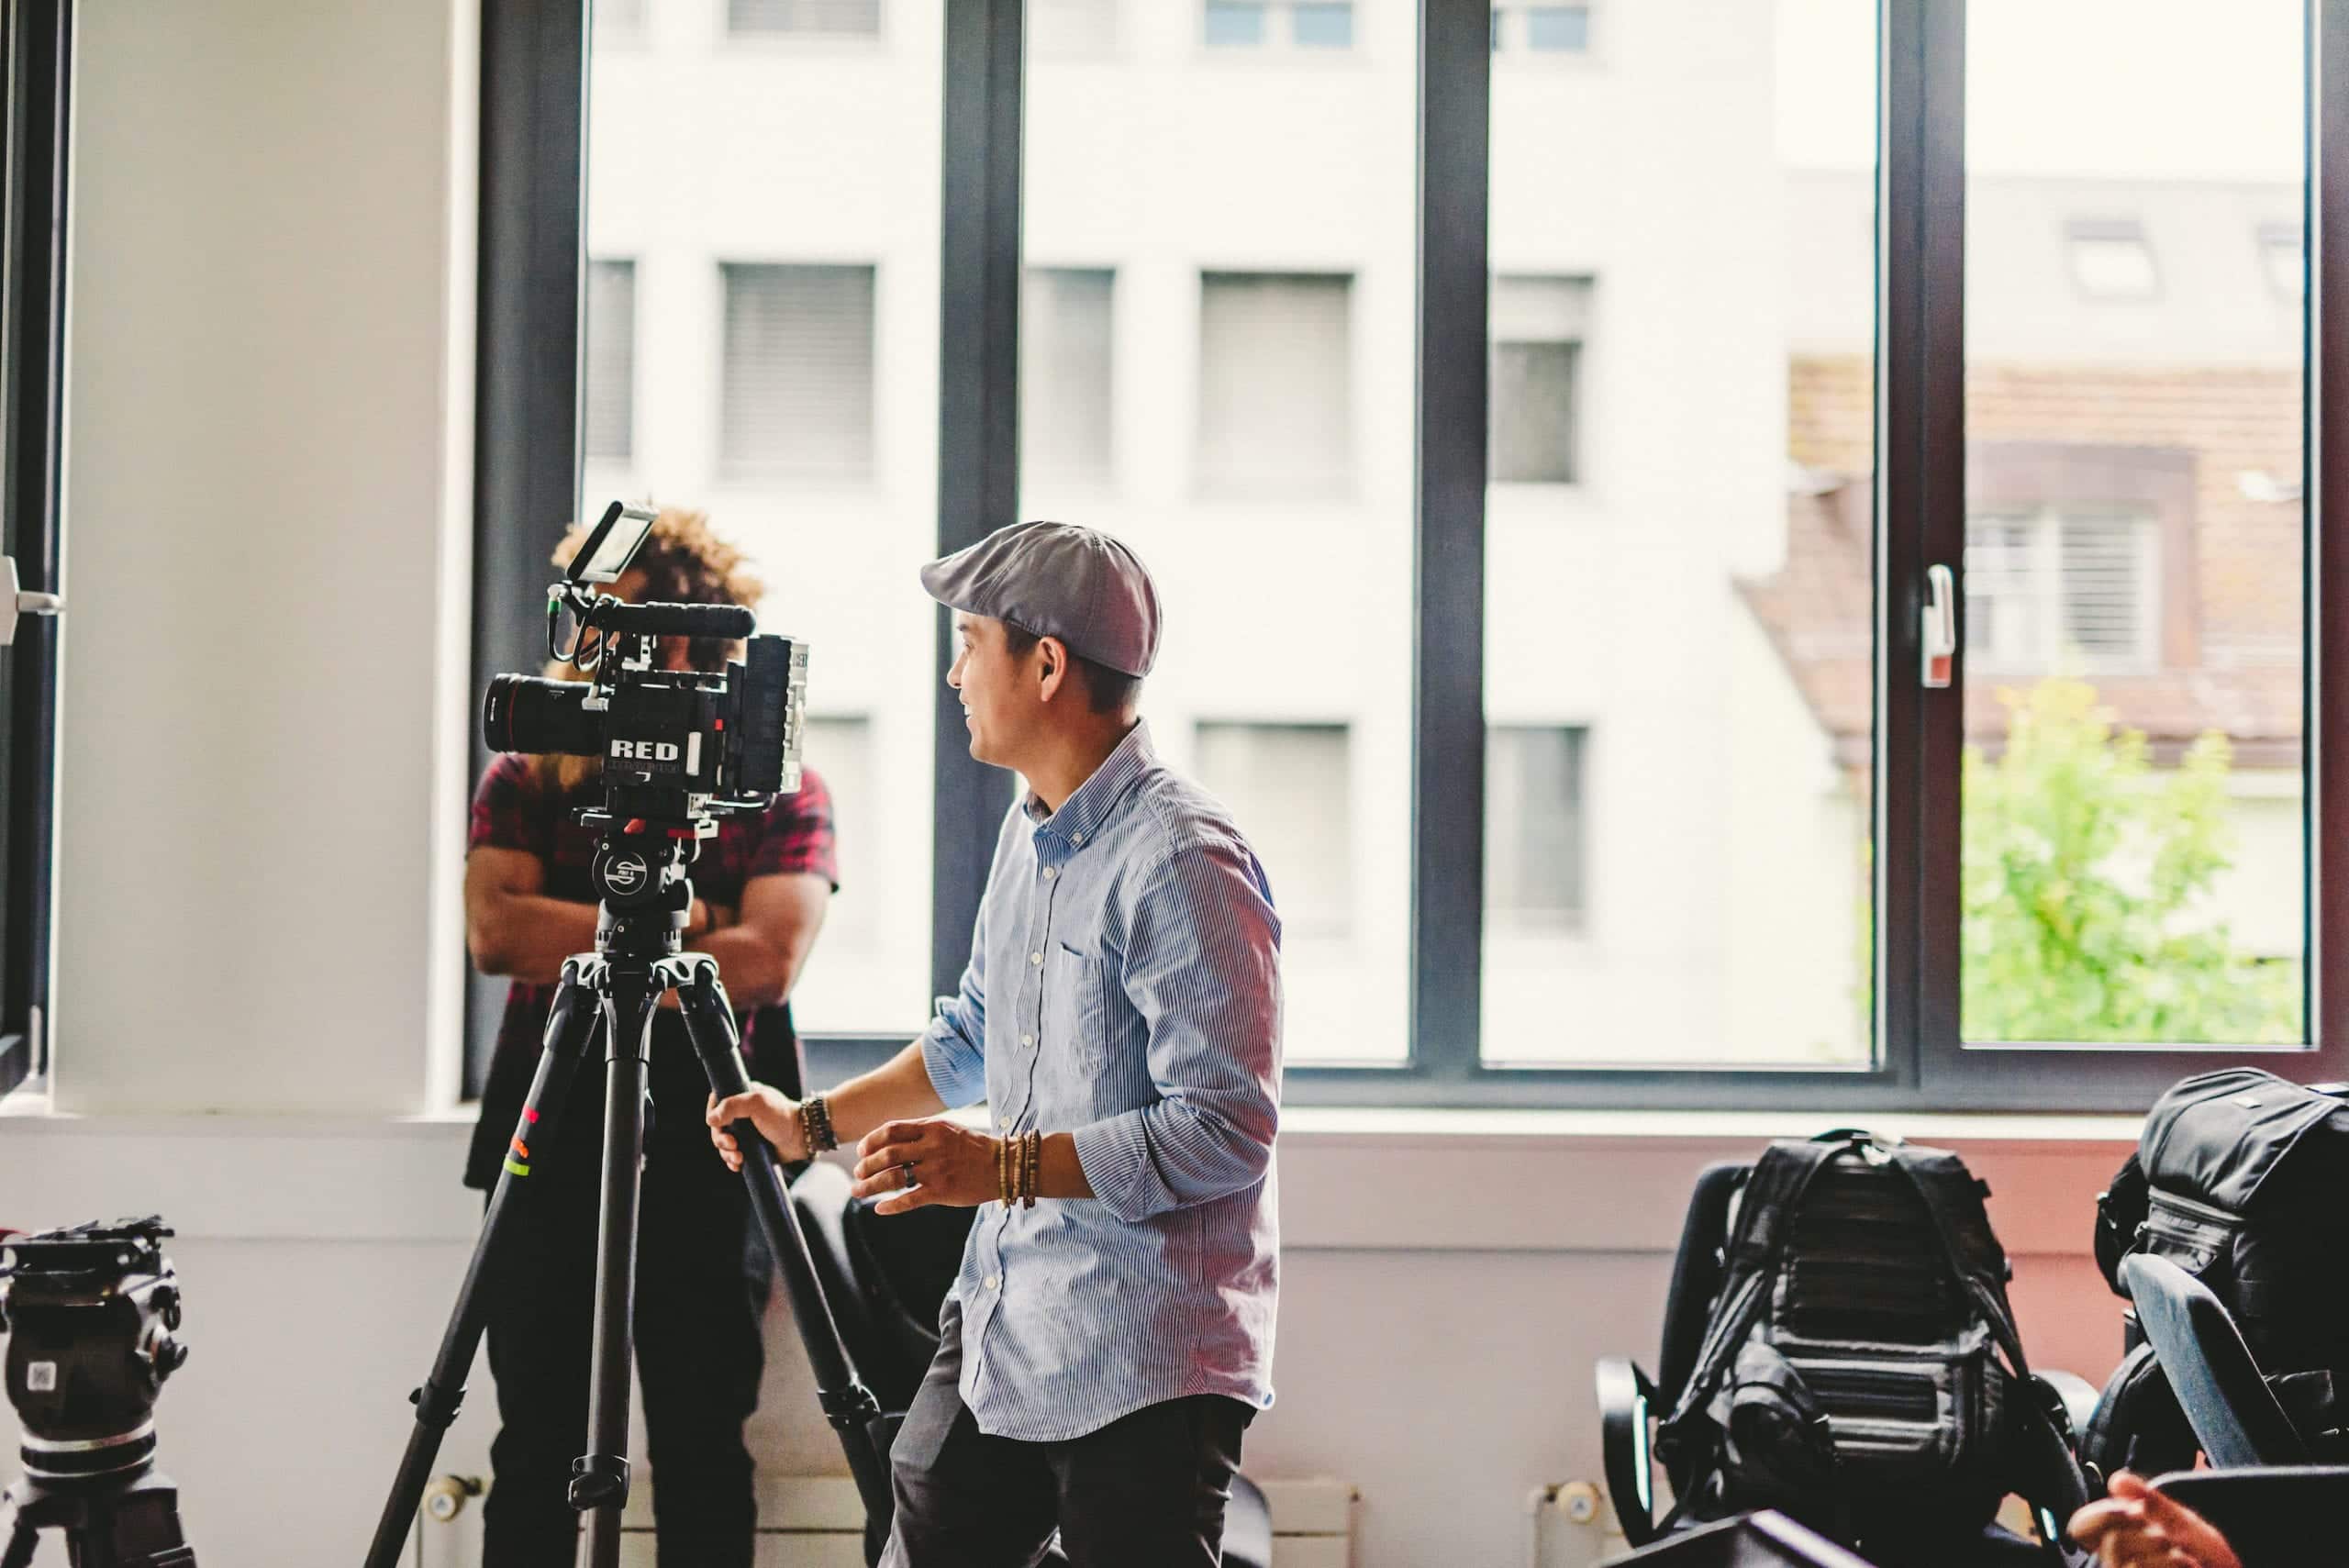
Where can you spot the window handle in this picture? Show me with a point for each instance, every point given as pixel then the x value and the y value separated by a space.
pixel 14 602
pixel 1938 631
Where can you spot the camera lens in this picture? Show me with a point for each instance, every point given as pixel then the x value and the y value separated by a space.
pixel 523 713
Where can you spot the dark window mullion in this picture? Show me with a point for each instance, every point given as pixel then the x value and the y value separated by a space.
pixel 978 419
pixel 2325 446
pixel 1919 459
pixel 526 362
pixel 1448 645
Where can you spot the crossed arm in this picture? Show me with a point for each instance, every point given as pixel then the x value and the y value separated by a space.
pixel 513 928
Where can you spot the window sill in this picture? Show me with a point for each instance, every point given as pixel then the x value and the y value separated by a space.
pixel 1510 1181
pixel 1647 1129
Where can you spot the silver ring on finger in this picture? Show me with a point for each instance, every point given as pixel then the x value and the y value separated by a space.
pixel 906 1174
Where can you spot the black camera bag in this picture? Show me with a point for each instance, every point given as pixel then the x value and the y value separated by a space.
pixel 2242 1179
pixel 1861 1369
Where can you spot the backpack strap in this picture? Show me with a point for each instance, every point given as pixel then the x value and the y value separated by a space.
pixel 1689 1439
pixel 2051 1476
pixel 1937 1177
pixel 1755 1246
pixel 2120 1209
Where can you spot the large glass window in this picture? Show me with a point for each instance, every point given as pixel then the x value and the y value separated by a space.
pixel 1669 590
pixel 1679 541
pixel 1219 297
pixel 2133 851
pixel 780 323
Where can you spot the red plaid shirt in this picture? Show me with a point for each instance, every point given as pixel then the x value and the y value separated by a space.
pixel 513 811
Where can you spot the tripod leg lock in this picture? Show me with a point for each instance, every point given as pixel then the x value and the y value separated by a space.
pixel 437 1407
pixel 849 1407
pixel 599 1479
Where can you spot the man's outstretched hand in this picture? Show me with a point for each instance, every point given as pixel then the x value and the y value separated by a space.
pixel 949 1165
pixel 2136 1527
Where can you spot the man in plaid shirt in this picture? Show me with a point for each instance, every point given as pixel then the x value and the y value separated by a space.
pixel 761 887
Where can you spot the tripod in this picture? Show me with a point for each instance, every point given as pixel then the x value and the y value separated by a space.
pixel 645 848
pixel 128 1519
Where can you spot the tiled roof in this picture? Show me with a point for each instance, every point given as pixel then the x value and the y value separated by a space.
pixel 2245 572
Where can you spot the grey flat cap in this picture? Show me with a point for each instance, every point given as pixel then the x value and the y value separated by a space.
pixel 1057 580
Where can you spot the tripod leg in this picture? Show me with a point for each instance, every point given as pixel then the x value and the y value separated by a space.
pixel 848 1405
pixel 599 1478
pixel 22 1539
pixel 569 1027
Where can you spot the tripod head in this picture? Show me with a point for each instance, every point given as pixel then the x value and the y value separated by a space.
pixel 647 839
pixel 90 1312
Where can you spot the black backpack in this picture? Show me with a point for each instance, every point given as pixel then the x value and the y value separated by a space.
pixel 2242 1179
pixel 1861 1369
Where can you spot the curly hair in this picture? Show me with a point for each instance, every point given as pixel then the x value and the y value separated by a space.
pixel 683 561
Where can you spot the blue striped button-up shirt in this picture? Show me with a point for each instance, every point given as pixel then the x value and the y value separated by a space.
pixel 1124 985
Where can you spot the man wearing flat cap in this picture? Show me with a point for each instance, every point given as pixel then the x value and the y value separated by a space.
pixel 1112 1332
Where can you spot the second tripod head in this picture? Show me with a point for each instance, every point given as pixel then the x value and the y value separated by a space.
pixel 91 1314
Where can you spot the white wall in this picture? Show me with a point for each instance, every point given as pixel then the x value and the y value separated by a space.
pixel 1448 1281
pixel 260 425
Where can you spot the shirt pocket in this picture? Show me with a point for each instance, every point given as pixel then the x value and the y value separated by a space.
pixel 1076 1005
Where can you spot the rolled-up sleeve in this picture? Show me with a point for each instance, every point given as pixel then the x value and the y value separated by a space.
pixel 1203 969
pixel 953 1048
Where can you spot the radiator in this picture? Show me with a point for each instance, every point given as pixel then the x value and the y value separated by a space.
pixel 815 1521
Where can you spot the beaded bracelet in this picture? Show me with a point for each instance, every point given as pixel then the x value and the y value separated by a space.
pixel 815 1125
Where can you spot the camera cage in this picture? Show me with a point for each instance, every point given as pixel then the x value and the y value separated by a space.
pixel 763 694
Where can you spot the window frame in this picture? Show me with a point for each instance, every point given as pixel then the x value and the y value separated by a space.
pixel 37 42
pixel 1918 519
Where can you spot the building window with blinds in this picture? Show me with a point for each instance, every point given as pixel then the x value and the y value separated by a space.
pixel 1066 395
pixel 1302 25
pixel 803 18
pixel 1539 326
pixel 1541 29
pixel 2111 259
pixel 609 425
pixel 2074 590
pixel 796 394
pixel 1275 383
pixel 1071 29
pixel 1534 877
pixel 1293 785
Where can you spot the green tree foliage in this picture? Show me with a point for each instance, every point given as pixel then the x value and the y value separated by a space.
pixel 2085 878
